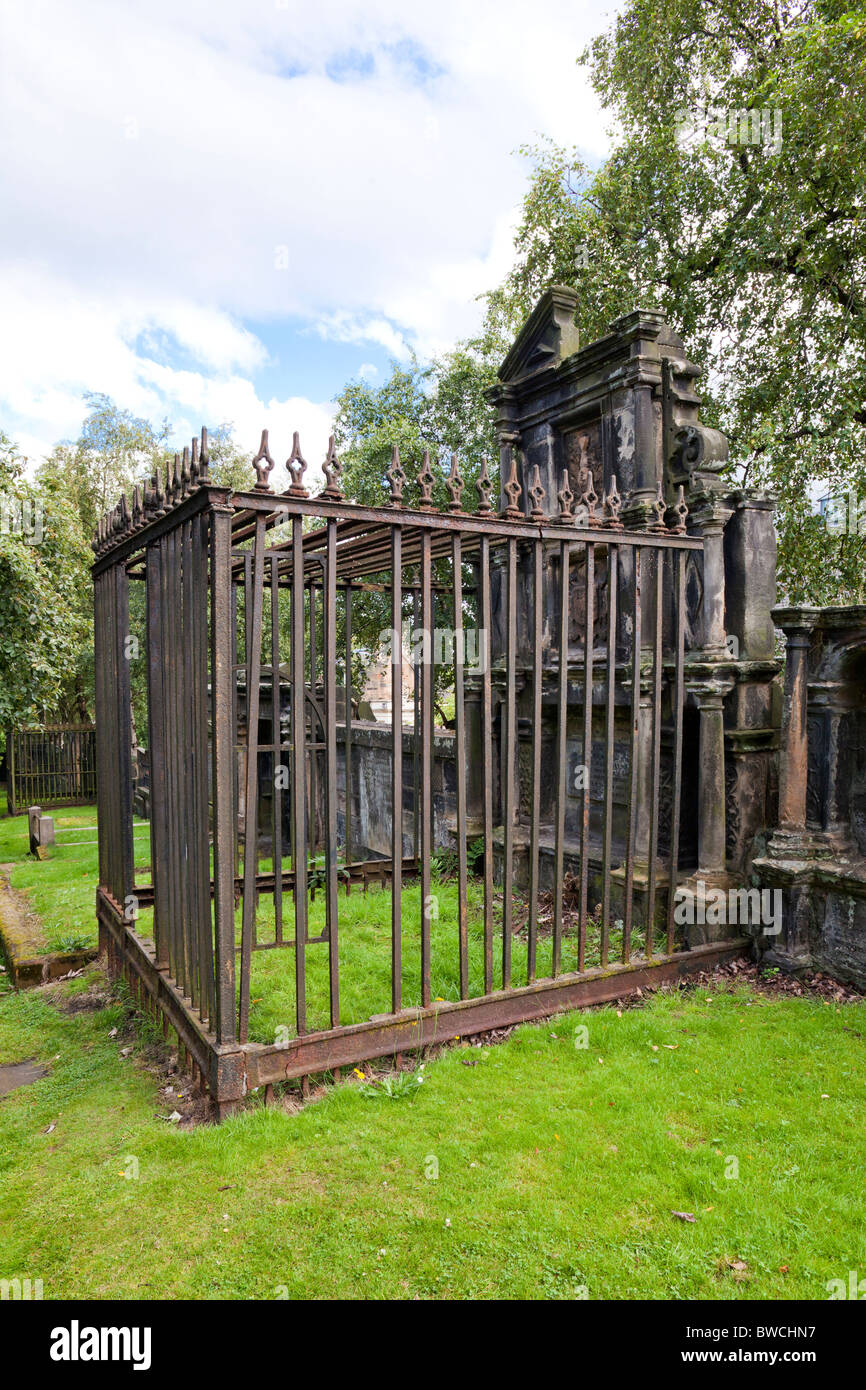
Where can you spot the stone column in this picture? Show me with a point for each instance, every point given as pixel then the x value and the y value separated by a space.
pixel 797 624
pixel 750 583
pixel 708 520
pixel 709 695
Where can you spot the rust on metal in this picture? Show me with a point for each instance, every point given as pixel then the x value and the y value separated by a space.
pixel 257 782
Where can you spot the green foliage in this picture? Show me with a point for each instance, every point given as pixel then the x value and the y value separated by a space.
pixel 397 1085
pixel 46 624
pixel 42 565
pixel 440 408
pixel 755 252
pixel 556 1169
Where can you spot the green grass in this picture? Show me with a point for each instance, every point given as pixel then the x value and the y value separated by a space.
pixel 62 888
pixel 559 1167
pixel 365 955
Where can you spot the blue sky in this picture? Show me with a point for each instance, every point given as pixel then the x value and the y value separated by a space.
pixel 219 212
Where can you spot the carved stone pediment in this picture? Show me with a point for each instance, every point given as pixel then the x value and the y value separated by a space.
pixel 549 335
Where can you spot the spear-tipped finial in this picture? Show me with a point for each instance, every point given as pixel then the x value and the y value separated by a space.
pixel 193 464
pixel 203 458
pixel 159 507
pixel 455 484
pixel 513 491
pixel 425 481
pixel 613 506
pixel 681 513
pixel 296 465
pixel 333 471
pixel 397 479
pixel 659 506
pixel 537 496
pixel 263 464
pixel 588 495
pixel 137 508
pixel 566 500
pixel 484 487
pixel 185 473
pixel 175 489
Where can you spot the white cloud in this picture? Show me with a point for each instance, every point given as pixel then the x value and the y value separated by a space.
pixel 154 158
pixel 64 344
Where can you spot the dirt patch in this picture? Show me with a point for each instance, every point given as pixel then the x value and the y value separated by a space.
pixel 21 928
pixel 23 946
pixel 811 984
pixel 17 1074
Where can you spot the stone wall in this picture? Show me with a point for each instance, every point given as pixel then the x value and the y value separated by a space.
pixel 816 858
pixel 623 410
pixel 371 790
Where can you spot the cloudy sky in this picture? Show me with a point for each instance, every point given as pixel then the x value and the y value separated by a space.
pixel 224 211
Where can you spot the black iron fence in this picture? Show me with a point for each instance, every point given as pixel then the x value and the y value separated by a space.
pixel 568 729
pixel 54 765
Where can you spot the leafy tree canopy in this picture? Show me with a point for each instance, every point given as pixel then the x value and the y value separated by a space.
pixel 732 200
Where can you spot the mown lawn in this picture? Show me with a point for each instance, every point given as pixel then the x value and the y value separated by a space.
pixel 559 1166
pixel 61 889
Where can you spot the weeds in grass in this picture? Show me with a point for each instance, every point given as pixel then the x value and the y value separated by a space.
pixel 397 1085
pixel 74 941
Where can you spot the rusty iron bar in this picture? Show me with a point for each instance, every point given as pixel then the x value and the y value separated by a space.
pixel 460 753
pixel 277 739
pixel 677 710
pixel 222 633
pixel 655 753
pixel 330 673
pixel 609 724
pixel 634 744
pixel 347 747
pixel 299 768
pixel 510 753
pixel 253 618
pixel 396 768
pixel 426 804
pixel 535 809
pixel 561 753
pixel 190 543
pixel 586 751
pixel 487 763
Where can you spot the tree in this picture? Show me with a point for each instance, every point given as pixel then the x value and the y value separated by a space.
pixel 42 559
pixel 114 451
pixel 733 199
pixel 440 408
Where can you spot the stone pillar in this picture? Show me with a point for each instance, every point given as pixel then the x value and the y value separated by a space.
pixel 708 520
pixel 829 764
pixel 709 695
pixel 750 565
pixel 797 624
pixel 474 749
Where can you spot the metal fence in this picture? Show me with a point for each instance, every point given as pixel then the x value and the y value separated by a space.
pixel 54 765
pixel 583 631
